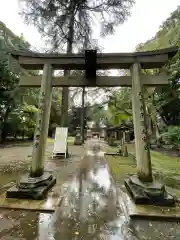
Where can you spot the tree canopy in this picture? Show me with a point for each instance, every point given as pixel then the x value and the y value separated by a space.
pixel 68 25
pixel 162 103
pixel 18 113
pixel 19 106
pixel 54 18
pixel 166 99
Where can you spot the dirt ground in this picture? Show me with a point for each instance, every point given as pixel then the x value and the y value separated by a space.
pixel 19 155
pixel 14 161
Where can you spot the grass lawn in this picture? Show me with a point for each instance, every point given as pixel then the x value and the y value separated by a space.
pixel 165 168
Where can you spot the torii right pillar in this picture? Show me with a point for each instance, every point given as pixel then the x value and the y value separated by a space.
pixel 142 187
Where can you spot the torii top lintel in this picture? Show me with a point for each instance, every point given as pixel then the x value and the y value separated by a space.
pixel 148 60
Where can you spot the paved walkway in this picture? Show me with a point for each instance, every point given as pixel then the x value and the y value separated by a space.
pixel 91 208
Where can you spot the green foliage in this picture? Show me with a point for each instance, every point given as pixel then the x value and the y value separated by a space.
pixel 28 120
pixel 167 35
pixel 172 135
pixel 68 26
pixel 8 81
pixel 162 103
pixel 97 114
pixel 166 98
pixel 18 107
pixel 120 107
pixel 55 114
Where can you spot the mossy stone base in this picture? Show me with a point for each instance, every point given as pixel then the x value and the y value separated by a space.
pixel 77 141
pixel 37 173
pixel 32 188
pixel 153 193
pixel 112 143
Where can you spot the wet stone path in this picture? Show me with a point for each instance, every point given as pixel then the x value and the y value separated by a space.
pixel 91 209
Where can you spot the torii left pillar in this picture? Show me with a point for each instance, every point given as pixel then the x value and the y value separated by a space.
pixel 42 123
pixel 36 184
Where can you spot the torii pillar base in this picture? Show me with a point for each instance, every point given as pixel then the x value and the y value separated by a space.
pixel 78 140
pixel 148 193
pixel 32 188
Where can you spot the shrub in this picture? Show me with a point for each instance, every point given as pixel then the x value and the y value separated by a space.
pixel 172 135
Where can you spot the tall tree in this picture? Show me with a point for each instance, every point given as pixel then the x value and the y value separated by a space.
pixel 97 114
pixel 167 99
pixel 9 72
pixel 66 23
pixel 18 106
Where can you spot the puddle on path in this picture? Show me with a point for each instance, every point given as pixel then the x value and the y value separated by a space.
pixel 90 210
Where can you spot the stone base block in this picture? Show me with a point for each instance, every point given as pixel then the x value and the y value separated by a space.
pixel 113 154
pixel 148 212
pixel 77 142
pixel 32 188
pixel 112 144
pixel 148 193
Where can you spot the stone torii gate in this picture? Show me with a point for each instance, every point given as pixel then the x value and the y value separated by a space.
pixel 36 184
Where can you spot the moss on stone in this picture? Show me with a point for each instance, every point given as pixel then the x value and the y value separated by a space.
pixel 165 168
pixel 37 173
pixel 121 167
pixel 143 177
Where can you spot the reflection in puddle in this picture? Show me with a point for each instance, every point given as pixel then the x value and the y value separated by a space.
pixel 48 203
pixel 89 209
pixel 45 232
pixel 92 209
pixel 101 178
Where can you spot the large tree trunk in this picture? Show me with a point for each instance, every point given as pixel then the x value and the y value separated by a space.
pixel 83 94
pixel 4 130
pixel 65 92
pixel 82 115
